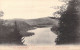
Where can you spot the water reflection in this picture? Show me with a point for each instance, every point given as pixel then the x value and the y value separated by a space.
pixel 43 36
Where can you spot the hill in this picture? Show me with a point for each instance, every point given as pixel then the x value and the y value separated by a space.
pixel 28 24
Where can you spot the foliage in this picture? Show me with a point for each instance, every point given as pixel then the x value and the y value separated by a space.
pixel 68 24
pixel 1 13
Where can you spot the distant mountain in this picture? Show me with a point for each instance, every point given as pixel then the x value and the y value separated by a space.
pixel 28 24
pixel 42 22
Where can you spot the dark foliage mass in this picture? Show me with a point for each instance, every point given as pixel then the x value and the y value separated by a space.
pixel 10 37
pixel 15 36
pixel 13 33
pixel 68 24
pixel 1 13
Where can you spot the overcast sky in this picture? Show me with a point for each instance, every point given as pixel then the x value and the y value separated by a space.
pixel 28 9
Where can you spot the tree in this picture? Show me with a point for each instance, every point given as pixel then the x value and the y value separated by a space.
pixel 1 13
pixel 69 22
pixel 10 37
pixel 15 37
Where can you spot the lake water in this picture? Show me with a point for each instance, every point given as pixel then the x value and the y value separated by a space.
pixel 43 36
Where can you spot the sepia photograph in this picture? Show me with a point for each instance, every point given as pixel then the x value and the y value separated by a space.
pixel 43 23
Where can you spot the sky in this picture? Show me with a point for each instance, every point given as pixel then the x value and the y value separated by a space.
pixel 28 9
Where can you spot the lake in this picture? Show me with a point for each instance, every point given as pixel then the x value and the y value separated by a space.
pixel 43 36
